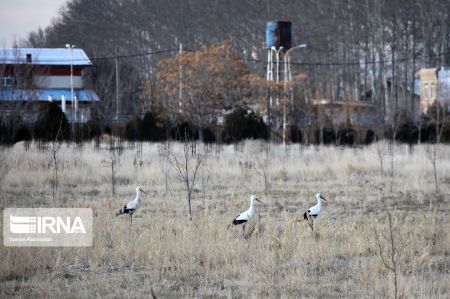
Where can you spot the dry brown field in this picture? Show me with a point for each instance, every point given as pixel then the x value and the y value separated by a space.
pixel 166 255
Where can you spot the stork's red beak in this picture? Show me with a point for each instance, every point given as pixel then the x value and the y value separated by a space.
pixel 323 197
pixel 258 200
pixel 142 191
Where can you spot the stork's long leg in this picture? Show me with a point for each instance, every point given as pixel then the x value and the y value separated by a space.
pixel 310 223
pixel 243 230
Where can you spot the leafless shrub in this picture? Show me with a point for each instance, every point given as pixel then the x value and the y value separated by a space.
pixel 391 168
pixel 186 165
pixel 113 162
pixel 205 179
pixel 386 150
pixel 381 152
pixel 263 169
pixel 246 168
pixel 137 161
pixel 53 150
pixel 433 155
pixel 164 151
pixel 388 248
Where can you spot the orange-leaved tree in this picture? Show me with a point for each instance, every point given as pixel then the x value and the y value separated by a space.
pixel 262 95
pixel 193 86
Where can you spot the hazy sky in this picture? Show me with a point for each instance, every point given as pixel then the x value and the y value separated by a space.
pixel 19 17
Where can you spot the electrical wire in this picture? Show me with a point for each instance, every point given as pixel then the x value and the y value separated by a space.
pixel 316 63
pixel 355 63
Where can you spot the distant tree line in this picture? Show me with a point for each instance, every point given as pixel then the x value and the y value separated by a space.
pixel 52 125
pixel 239 125
pixel 357 50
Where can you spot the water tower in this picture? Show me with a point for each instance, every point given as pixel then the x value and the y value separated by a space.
pixel 278 39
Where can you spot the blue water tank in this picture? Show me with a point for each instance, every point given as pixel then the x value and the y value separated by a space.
pixel 279 34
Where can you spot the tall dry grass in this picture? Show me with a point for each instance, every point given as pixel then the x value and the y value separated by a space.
pixel 165 253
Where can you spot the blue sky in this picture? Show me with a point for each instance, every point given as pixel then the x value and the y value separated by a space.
pixel 19 17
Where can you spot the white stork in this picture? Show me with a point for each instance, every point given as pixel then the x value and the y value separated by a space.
pixel 314 211
pixel 132 206
pixel 244 217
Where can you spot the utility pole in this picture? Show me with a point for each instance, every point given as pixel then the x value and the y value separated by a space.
pixel 117 83
pixel 278 68
pixel 181 79
pixel 70 48
pixel 287 78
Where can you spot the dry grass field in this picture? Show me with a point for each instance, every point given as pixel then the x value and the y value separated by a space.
pixel 164 254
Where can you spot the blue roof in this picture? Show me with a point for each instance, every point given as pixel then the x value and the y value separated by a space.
pixel 44 56
pixel 43 95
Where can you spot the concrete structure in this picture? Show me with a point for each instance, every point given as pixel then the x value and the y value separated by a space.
pixel 428 83
pixel 434 86
pixel 362 117
pixel 43 75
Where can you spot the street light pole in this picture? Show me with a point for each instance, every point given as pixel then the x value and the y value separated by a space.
pixel 180 91
pixel 287 61
pixel 70 48
pixel 302 46
pixel 273 48
pixel 117 84
pixel 278 64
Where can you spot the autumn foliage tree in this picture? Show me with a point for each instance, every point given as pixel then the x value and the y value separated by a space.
pixel 193 86
pixel 268 96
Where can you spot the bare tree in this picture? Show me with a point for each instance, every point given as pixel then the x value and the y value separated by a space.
pixel 381 152
pixel 263 169
pixel 53 150
pixel 113 162
pixel 186 165
pixel 432 156
pixel 384 149
pixel 165 150
pixel 392 165
pixel 387 246
pixel 18 89
pixel 205 181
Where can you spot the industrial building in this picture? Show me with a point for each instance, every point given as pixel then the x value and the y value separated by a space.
pixel 36 75
pixel 434 86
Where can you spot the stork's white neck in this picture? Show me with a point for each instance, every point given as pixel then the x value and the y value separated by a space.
pixel 319 201
pixel 138 196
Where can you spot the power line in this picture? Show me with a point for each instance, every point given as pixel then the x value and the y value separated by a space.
pixel 135 54
pixel 333 63
pixel 315 63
